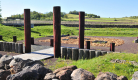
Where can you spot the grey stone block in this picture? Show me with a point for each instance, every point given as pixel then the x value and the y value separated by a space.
pixel 63 52
pixel 13 47
pixel 86 54
pixel 4 46
pixel 10 46
pixel 16 47
pixel 92 53
pixel 104 52
pixel 20 47
pixel 69 53
pixel 97 53
pixel 75 53
pixel 1 46
pixel 81 54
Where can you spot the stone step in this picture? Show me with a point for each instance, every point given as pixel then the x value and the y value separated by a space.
pixel 37 55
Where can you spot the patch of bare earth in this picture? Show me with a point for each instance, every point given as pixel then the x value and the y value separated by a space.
pixel 76 41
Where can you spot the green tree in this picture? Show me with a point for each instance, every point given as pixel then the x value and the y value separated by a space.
pixel 66 16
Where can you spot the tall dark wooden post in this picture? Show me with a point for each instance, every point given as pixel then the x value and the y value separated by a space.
pixel 87 44
pixel 81 29
pixel 27 30
pixel 14 38
pixel 51 42
pixel 0 37
pixel 32 40
pixel 112 47
pixel 57 31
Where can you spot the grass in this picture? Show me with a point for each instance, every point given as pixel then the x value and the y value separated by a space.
pixel 103 64
pixel 9 31
pixel 73 17
pixel 94 65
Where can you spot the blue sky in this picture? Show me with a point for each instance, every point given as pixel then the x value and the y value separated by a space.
pixel 103 8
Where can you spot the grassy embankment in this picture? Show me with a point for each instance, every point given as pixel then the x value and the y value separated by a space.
pixel 93 65
pixel 73 17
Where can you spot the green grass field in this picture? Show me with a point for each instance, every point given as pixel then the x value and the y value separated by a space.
pixel 9 31
pixel 93 65
pixel 73 17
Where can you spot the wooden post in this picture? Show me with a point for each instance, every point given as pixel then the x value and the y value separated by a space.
pixel 81 29
pixel 51 42
pixel 14 38
pixel 112 47
pixel 87 44
pixel 32 40
pixel 57 31
pixel 27 30
pixel 0 37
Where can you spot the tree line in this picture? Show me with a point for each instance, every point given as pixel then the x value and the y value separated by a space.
pixel 49 16
pixel 38 16
pixel 89 15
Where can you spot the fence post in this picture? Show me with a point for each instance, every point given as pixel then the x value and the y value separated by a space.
pixel 14 38
pixel 32 40
pixel 0 37
pixel 81 29
pixel 51 42
pixel 112 47
pixel 27 30
pixel 87 44
pixel 57 31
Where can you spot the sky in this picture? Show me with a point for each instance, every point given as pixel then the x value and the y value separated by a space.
pixel 103 8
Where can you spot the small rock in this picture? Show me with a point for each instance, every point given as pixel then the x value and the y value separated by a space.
pixel 135 76
pixel 122 78
pixel 71 68
pixel 50 76
pixel 81 74
pixel 34 72
pixel 4 74
pixel 6 59
pixel 64 75
pixel 106 76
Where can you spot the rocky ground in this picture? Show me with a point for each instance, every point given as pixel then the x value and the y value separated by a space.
pixel 19 69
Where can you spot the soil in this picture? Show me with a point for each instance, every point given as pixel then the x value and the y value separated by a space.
pixel 128 47
pixel 67 40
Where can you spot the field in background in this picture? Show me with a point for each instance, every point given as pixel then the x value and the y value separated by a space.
pixel 74 19
pixel 9 31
